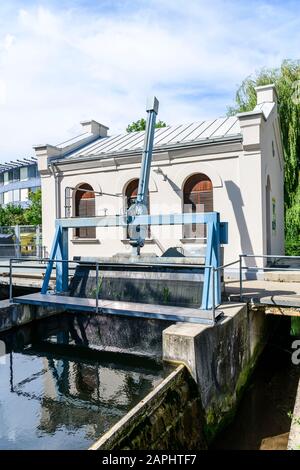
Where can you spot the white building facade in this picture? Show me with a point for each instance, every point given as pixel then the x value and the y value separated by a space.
pixel 231 165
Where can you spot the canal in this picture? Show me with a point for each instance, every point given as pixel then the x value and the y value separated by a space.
pixel 59 391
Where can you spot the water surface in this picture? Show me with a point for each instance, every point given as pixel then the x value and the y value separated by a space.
pixel 58 392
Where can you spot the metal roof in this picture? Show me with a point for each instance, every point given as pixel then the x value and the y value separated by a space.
pixel 17 164
pixel 204 131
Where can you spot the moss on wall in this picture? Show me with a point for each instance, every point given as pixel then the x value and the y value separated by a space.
pixel 221 413
pixel 171 420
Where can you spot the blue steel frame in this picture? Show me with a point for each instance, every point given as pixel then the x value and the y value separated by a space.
pixel 217 234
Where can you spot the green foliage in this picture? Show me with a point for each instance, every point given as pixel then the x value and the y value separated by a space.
pixel 292 223
pixel 140 125
pixel 286 79
pixel 12 215
pixel 294 419
pixel 33 214
pixel 166 295
pixel 17 215
pixel 96 291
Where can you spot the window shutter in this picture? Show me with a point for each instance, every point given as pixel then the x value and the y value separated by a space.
pixel 85 207
pixel 197 197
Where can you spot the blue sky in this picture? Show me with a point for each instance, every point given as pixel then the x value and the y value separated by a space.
pixel 66 61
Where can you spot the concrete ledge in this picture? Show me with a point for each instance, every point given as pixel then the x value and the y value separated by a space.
pixel 282 276
pixel 162 420
pixel 12 315
pixel 294 436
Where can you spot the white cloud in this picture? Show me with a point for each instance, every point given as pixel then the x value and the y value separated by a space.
pixel 2 92
pixel 63 64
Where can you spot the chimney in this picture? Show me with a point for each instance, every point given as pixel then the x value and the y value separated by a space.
pixel 95 128
pixel 266 94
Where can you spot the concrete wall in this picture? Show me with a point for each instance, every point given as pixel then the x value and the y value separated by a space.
pixel 112 333
pixel 220 359
pixel 189 408
pixel 12 315
pixel 169 418
pixel 294 436
pixel 156 285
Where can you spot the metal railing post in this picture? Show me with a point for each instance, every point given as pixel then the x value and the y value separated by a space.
pixel 37 242
pixel 241 277
pixel 214 271
pixel 18 241
pixel 97 287
pixel 10 281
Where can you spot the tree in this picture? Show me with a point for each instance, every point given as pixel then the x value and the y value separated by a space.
pixel 287 82
pixel 140 125
pixel 11 215
pixel 33 213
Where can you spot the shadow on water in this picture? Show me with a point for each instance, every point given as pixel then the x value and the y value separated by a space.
pixel 58 392
pixel 262 420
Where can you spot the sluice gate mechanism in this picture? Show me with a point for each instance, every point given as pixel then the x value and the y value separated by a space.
pixel 136 221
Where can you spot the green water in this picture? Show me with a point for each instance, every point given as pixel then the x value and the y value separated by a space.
pixel 59 393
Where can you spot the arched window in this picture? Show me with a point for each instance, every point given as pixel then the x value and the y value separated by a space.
pixel 85 207
pixel 197 197
pixel 131 195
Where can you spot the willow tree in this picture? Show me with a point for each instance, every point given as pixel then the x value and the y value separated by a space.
pixel 287 81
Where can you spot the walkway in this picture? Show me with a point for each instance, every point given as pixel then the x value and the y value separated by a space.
pixel 130 309
pixel 270 293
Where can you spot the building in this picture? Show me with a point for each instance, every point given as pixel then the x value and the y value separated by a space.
pixel 17 179
pixel 232 165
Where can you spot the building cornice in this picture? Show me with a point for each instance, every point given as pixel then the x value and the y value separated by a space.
pixel 167 154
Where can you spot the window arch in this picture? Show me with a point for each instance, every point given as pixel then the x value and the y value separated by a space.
pixel 85 207
pixel 131 192
pixel 197 197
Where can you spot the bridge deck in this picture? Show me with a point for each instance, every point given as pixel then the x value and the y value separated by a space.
pixel 130 309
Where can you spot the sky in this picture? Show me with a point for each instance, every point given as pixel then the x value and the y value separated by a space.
pixel 62 62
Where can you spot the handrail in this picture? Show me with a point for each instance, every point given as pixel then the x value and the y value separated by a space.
pixel 96 263
pixel 113 263
pixel 263 268
pixel 267 268
pixel 271 256
pixel 227 265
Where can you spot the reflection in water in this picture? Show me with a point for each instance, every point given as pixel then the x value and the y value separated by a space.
pixel 58 393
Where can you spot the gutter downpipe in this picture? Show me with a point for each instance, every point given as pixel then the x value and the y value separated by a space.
pixel 55 173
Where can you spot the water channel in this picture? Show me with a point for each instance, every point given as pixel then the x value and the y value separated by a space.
pixel 57 391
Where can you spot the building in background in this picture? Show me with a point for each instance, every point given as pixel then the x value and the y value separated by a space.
pixel 231 165
pixel 17 179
